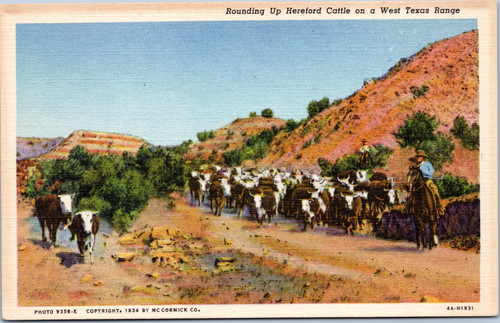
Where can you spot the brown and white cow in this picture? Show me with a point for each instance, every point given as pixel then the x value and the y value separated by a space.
pixel 53 211
pixel 84 226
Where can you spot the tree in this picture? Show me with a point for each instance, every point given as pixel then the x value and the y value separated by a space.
pixel 204 135
pixel 80 154
pixel 416 129
pixel 291 125
pixel 252 114
pixel 439 150
pixel 469 137
pixel 316 107
pixel 267 113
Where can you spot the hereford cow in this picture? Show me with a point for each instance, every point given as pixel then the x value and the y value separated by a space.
pixel 84 226
pixel 381 196
pixel 352 211
pixel 217 197
pixel 264 204
pixel 53 211
pixel 195 189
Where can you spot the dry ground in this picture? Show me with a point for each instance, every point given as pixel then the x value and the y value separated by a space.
pixel 275 263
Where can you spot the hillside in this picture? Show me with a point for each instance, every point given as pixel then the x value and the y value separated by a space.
pixel 448 68
pixel 29 147
pixel 96 142
pixel 232 136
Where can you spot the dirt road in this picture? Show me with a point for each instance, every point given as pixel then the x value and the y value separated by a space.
pixel 275 263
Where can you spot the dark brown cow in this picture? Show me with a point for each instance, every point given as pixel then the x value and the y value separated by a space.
pixel 380 197
pixel 247 200
pixel 195 189
pixel 302 191
pixel 217 197
pixel 236 195
pixel 53 211
pixel 264 203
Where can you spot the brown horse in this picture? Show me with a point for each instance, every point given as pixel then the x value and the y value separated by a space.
pixel 422 205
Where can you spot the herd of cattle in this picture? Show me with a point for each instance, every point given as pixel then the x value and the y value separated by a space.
pixel 345 201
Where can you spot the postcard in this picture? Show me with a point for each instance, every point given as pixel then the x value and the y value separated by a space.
pixel 249 160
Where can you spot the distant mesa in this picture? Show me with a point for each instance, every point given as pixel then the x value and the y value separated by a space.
pixel 232 136
pixel 102 143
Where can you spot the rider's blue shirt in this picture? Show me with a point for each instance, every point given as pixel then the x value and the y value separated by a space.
pixel 427 170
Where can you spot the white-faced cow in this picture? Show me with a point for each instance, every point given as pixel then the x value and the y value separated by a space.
pixel 264 203
pixel 84 226
pixel 53 211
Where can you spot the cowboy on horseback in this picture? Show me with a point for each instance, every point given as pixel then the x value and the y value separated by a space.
pixel 364 158
pixel 428 173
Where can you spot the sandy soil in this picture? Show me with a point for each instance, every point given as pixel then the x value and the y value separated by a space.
pixel 275 263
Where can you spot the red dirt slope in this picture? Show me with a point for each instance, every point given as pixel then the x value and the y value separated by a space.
pixel 449 69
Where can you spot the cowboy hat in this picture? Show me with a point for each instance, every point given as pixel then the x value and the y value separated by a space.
pixel 421 153
pixel 363 140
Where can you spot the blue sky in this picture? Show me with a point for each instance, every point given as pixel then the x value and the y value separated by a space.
pixel 167 81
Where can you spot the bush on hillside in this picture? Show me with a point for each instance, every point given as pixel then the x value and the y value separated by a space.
pixel 252 114
pixel 255 148
pixel 379 155
pixel 469 137
pixel 291 125
pixel 204 135
pixel 416 129
pixel 419 91
pixel 316 107
pixel 418 132
pixel 439 150
pixel 348 162
pixel 267 113
pixel 33 188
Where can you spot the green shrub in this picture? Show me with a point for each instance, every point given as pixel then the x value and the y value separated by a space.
pixel 122 220
pixel 252 114
pixel 307 144
pixel 469 137
pixel 97 204
pixel 449 185
pixel 337 102
pixel 255 148
pixel 32 191
pixel 439 150
pixel 419 91
pixel 204 135
pixel 291 125
pixel 316 107
pixel 267 113
pixel 348 162
pixel 379 155
pixel 416 129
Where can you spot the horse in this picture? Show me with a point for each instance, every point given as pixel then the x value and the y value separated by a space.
pixel 422 205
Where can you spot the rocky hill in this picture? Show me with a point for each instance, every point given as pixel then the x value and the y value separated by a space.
pixel 96 142
pixel 29 147
pixel 232 136
pixel 441 80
